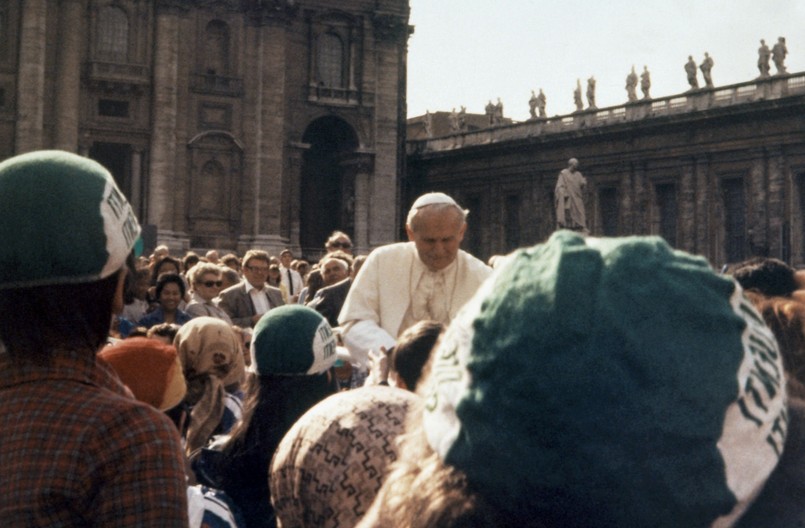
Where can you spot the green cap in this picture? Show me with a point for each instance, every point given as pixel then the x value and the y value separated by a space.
pixel 292 340
pixel 62 220
pixel 609 382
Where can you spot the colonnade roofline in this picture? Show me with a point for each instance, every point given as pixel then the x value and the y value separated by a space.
pixel 697 100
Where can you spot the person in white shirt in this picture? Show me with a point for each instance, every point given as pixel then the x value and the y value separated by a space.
pixel 290 278
pixel 428 277
pixel 248 300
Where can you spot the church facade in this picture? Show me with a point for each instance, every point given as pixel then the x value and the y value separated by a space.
pixel 229 124
pixel 717 172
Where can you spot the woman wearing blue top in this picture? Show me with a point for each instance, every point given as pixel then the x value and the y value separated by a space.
pixel 170 291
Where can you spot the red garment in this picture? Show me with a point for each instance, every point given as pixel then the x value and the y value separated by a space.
pixel 77 450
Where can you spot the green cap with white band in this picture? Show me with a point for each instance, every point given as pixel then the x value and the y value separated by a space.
pixel 62 220
pixel 609 382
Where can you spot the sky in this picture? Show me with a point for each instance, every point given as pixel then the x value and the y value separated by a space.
pixel 466 52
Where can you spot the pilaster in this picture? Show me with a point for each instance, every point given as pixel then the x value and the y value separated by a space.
pixel 776 200
pixel 162 169
pixel 68 74
pixel 31 82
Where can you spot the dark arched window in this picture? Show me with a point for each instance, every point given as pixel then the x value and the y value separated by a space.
pixel 216 48
pixel 330 55
pixel 113 34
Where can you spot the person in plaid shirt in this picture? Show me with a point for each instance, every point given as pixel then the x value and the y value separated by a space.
pixel 77 449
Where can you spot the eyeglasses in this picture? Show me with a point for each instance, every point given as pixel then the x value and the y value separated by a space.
pixel 258 269
pixel 341 245
pixel 210 284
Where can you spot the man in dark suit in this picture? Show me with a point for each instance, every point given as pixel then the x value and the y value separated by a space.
pixel 248 300
pixel 329 300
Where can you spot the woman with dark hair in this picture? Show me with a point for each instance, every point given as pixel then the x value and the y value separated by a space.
pixel 293 351
pixel 170 291
pixel 165 264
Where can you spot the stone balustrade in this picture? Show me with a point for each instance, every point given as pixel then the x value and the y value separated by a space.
pixel 775 87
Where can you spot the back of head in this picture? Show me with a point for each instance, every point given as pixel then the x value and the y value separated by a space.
pixel 786 318
pixel 619 375
pixel 769 276
pixel 212 361
pixel 358 428
pixel 67 230
pixel 208 346
pixel 292 350
pixel 292 340
pixel 412 351
pixel 150 368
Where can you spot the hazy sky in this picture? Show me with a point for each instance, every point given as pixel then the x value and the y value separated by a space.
pixel 466 52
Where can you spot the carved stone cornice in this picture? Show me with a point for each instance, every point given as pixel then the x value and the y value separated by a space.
pixel 391 27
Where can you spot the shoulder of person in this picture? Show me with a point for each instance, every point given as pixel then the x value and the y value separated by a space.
pixel 141 424
pixel 391 251
pixel 472 262
pixel 231 289
pixel 341 285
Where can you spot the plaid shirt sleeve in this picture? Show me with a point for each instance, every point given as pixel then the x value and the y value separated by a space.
pixel 137 467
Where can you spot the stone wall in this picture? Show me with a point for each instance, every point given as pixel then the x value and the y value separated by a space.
pixel 200 109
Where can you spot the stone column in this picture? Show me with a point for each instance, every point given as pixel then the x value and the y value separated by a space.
pixel 295 157
pixel 31 80
pixel 136 181
pixel 776 200
pixel 362 167
pixel 625 202
pixel 758 219
pixel 642 222
pixel 390 40
pixel 162 168
pixel 269 179
pixel 703 206
pixel 687 205
pixel 68 74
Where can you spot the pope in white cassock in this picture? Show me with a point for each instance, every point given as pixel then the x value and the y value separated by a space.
pixel 428 277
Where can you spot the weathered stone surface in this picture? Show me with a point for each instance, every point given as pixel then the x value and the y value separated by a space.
pixel 203 112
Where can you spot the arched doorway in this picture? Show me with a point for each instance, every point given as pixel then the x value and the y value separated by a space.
pixel 327 189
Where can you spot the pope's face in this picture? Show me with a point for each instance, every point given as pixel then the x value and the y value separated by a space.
pixel 437 234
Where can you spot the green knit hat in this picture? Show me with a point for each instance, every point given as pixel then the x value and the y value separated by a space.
pixel 609 382
pixel 292 340
pixel 62 220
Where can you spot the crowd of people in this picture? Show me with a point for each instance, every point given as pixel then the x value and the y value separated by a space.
pixel 582 382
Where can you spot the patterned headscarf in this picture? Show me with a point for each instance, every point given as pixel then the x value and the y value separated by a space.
pixel 329 467
pixel 212 359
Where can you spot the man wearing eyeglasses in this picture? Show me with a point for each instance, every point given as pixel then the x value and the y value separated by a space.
pixel 339 241
pixel 247 301
pixel 206 281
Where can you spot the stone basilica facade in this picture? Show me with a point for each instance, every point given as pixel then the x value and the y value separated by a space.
pixel 229 124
